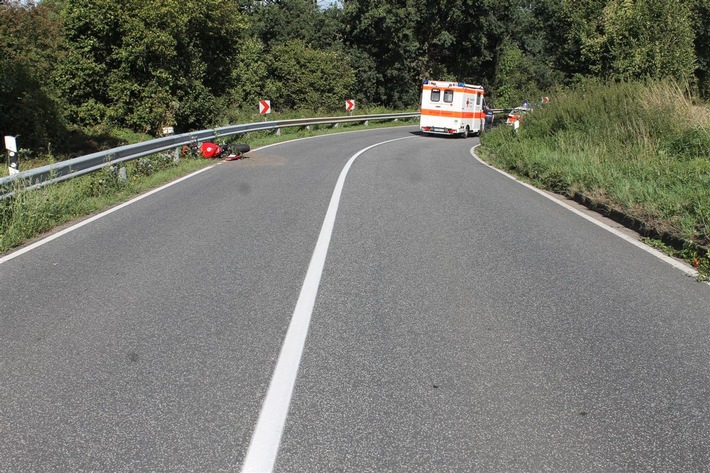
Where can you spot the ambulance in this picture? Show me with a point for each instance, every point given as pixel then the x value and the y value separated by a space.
pixel 452 108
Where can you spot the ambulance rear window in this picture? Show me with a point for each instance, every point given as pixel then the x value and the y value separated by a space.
pixel 435 95
pixel 448 96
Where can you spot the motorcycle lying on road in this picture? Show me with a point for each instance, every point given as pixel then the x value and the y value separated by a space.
pixel 210 150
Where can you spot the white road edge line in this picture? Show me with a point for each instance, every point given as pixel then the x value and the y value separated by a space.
pixel 676 264
pixel 54 236
pixel 266 438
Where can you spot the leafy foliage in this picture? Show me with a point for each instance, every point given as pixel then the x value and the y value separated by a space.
pixel 308 79
pixel 637 50
pixel 631 39
pixel 28 107
pixel 145 64
pixel 384 33
pixel 277 23
pixel 701 26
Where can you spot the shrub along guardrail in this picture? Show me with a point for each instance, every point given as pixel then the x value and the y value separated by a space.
pixel 64 170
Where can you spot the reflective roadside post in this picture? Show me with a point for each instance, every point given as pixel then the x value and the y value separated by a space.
pixel 168 131
pixel 13 159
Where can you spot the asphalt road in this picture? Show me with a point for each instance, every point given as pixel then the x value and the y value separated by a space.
pixel 462 323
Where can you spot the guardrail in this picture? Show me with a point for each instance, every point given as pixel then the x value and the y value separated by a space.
pixel 64 170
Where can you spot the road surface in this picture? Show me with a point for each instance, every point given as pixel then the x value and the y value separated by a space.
pixel 455 320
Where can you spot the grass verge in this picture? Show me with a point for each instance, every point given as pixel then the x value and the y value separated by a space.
pixel 639 151
pixel 31 213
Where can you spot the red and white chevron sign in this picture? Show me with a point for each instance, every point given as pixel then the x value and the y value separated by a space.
pixel 349 105
pixel 264 106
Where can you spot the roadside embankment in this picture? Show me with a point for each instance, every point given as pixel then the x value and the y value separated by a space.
pixel 639 152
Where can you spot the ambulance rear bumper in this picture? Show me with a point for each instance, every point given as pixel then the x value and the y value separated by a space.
pixel 440 130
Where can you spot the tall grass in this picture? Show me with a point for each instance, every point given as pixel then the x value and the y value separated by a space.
pixel 642 149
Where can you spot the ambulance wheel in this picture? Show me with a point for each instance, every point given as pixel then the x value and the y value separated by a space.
pixel 464 135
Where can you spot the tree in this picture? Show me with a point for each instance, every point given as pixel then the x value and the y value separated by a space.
pixel 384 35
pixel 29 48
pixel 527 55
pixel 515 77
pixel 249 74
pixel 701 26
pixel 637 50
pixel 145 64
pixel 276 22
pixel 397 44
pixel 621 38
pixel 459 39
pixel 308 79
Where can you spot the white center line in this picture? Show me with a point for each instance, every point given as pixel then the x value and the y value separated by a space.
pixel 266 438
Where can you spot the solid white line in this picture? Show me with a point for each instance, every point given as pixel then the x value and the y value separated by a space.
pixel 41 242
pixel 676 264
pixel 54 236
pixel 266 438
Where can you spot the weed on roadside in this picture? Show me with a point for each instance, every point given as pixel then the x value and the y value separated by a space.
pixel 696 257
pixel 639 149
